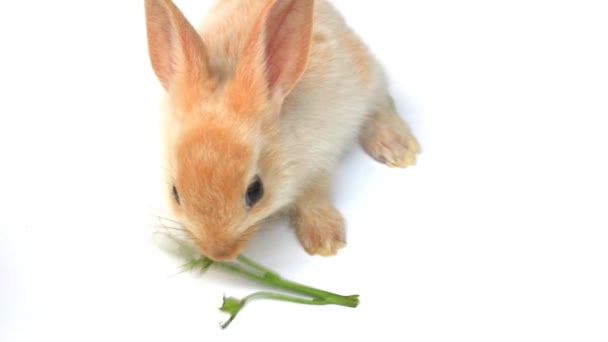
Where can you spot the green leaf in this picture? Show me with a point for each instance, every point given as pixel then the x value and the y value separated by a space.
pixel 202 263
pixel 205 263
pixel 231 306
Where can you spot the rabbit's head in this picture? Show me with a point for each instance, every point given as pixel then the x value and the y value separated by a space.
pixel 223 130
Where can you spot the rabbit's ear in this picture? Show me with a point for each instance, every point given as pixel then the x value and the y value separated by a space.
pixel 276 54
pixel 176 50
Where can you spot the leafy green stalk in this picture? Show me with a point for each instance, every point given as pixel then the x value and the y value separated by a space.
pixel 271 278
pixel 252 270
pixel 248 268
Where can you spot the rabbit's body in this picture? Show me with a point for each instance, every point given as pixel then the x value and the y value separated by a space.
pixel 308 66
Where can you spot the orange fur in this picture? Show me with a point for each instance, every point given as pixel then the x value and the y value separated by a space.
pixel 211 175
pixel 278 89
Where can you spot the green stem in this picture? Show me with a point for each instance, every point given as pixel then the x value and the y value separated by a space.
pixel 285 298
pixel 234 310
pixel 350 301
pixel 243 259
pixel 275 280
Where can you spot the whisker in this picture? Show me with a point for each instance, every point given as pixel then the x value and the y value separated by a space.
pixel 176 237
pixel 184 270
pixel 162 226
pixel 162 219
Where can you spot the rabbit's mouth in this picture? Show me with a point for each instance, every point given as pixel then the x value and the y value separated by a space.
pixel 225 250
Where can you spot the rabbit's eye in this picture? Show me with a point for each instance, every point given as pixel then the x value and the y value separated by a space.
pixel 176 195
pixel 255 192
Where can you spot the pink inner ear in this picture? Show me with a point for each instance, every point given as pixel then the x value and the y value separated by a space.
pixel 288 29
pixel 160 36
pixel 174 45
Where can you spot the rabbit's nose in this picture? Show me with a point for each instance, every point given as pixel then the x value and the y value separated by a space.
pixel 223 256
pixel 227 252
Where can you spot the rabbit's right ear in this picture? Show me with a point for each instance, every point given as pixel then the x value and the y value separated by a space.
pixel 176 50
pixel 276 54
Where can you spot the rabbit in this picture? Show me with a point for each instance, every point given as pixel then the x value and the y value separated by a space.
pixel 261 104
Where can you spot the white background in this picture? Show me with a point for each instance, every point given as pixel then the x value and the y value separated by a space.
pixel 498 234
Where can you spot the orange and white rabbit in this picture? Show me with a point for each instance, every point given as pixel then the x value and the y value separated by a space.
pixel 261 104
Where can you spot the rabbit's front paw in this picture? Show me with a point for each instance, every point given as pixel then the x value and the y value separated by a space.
pixel 320 229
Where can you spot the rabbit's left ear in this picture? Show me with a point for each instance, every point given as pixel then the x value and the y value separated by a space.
pixel 176 50
pixel 276 53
